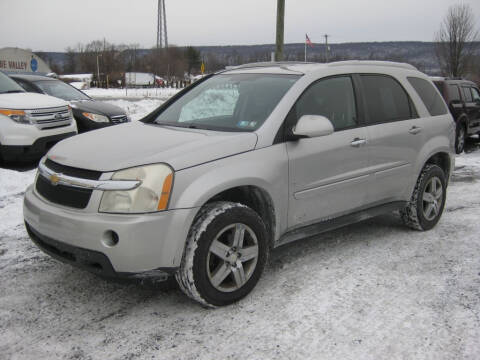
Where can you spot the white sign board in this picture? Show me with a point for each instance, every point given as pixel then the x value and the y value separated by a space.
pixel 24 61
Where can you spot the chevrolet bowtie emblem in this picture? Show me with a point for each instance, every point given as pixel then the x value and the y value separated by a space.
pixel 54 179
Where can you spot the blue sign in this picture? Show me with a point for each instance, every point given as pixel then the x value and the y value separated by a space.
pixel 34 64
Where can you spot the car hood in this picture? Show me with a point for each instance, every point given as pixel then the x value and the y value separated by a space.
pixel 29 101
pixel 127 145
pixel 97 107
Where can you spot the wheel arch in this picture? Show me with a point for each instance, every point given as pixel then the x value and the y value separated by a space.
pixel 256 198
pixel 442 160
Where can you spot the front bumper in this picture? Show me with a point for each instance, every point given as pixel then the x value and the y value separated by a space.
pixel 148 244
pixel 34 151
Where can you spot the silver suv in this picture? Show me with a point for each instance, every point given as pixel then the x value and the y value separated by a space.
pixel 239 163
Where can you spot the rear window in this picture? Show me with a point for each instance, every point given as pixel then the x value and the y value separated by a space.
pixel 386 99
pixel 453 93
pixel 430 97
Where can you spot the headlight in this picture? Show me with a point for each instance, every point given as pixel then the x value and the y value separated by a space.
pixel 18 116
pixel 151 196
pixel 96 117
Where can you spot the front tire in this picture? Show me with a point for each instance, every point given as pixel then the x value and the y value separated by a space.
pixel 428 199
pixel 225 254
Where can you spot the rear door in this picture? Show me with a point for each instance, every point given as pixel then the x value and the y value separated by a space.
pixel 328 175
pixel 395 136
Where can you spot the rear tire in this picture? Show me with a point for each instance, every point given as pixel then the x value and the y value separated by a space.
pixel 225 254
pixel 428 199
pixel 460 137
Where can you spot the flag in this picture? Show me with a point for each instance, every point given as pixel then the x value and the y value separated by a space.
pixel 307 41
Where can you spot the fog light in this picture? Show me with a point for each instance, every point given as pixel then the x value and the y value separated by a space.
pixel 110 238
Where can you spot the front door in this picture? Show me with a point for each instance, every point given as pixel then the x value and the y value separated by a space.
pixel 327 174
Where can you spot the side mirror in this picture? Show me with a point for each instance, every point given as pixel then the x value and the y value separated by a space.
pixel 313 126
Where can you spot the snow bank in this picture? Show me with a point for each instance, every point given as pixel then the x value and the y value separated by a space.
pixel 136 109
pixel 155 93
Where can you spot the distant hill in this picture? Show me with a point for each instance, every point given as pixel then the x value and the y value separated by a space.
pixel 419 54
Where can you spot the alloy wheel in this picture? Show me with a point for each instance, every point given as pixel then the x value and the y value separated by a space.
pixel 432 198
pixel 232 257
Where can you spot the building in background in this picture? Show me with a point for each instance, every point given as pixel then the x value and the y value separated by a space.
pixel 15 60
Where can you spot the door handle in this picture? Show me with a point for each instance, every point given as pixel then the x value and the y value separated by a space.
pixel 357 142
pixel 415 130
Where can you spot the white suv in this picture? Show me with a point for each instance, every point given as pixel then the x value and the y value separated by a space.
pixel 30 124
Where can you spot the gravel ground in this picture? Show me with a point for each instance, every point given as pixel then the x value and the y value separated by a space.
pixel 373 290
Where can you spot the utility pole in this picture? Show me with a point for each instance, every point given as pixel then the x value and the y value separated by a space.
pixel 326 47
pixel 98 71
pixel 280 29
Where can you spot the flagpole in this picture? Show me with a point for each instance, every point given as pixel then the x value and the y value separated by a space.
pixel 305 48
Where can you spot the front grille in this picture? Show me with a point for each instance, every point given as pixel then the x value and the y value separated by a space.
pixel 118 119
pixel 66 195
pixel 63 195
pixel 51 118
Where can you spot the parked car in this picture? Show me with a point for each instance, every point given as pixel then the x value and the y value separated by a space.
pixel 90 114
pixel 463 99
pixel 30 124
pixel 241 162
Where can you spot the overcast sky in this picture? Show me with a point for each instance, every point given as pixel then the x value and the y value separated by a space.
pixel 52 25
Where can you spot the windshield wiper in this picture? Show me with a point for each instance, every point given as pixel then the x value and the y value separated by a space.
pixel 180 125
pixel 12 91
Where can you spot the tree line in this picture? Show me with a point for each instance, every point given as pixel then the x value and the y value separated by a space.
pixel 456 50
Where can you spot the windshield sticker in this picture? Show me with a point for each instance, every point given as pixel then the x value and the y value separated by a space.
pixel 243 123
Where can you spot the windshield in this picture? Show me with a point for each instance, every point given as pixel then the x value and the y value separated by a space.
pixel 61 90
pixel 7 85
pixel 239 102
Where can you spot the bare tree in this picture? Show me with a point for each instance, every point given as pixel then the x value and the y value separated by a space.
pixel 455 41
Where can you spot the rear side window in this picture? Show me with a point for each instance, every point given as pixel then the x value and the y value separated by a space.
pixel 386 99
pixel 467 95
pixel 333 98
pixel 430 97
pixel 453 93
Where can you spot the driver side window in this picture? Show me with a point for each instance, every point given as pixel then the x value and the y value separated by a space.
pixel 333 98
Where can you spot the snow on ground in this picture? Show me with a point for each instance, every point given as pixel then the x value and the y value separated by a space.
pixel 373 290
pixel 133 94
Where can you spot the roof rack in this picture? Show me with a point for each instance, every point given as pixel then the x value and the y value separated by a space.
pixel 281 64
pixel 374 63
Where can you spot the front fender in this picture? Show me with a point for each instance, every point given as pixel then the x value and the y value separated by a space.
pixel 265 168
